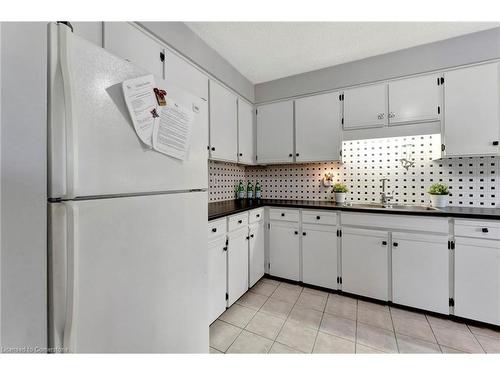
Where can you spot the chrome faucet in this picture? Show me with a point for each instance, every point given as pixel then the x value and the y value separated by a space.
pixel 385 197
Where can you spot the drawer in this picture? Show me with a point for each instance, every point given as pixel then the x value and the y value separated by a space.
pixel 255 215
pixel 237 221
pixel 216 228
pixel 478 229
pixel 391 222
pixel 319 217
pixel 284 214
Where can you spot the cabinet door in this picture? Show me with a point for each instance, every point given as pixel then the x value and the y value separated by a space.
pixel 420 276
pixel 472 111
pixel 246 140
pixel 365 107
pixel 275 132
pixel 223 123
pixel 217 287
pixel 284 255
pixel 365 263
pixel 127 41
pixel 319 255
pixel 181 73
pixel 414 100
pixel 477 281
pixel 317 127
pixel 237 265
pixel 256 253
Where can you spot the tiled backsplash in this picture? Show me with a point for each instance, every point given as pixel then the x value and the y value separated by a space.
pixel 473 181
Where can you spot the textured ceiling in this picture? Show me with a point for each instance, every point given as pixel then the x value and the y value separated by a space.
pixel 264 51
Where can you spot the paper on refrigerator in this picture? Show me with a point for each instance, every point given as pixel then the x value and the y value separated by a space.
pixel 141 103
pixel 172 133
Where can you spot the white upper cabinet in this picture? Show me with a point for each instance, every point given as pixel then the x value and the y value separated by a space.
pixel 472 111
pixel 223 123
pixel 415 99
pixel 127 41
pixel 318 128
pixel 92 31
pixel 183 74
pixel 246 140
pixel 275 132
pixel 365 106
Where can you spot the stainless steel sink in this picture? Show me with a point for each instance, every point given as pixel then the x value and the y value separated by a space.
pixel 396 207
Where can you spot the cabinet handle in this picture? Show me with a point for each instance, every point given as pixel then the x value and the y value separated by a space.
pixel 484 230
pixel 495 143
pixel 395 244
pixel 258 215
pixel 282 214
pixel 241 154
pixel 251 236
pixel 318 217
pixel 214 230
pixel 296 232
pixel 248 237
pixel 224 248
pixel 381 116
pixel 297 154
pixel 290 155
pixel 384 243
pixel 240 221
pixel 213 148
pixel 303 233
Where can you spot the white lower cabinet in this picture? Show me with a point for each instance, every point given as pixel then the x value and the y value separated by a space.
pixel 284 250
pixel 237 264
pixel 256 252
pixel 217 266
pixel 420 275
pixel 319 255
pixel 477 279
pixel 365 263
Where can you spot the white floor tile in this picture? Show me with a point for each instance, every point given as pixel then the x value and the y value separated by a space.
pixel 297 337
pixel 265 325
pixel 326 343
pixel 248 342
pixel 222 335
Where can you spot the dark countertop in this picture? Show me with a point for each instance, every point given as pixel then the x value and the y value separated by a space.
pixel 217 210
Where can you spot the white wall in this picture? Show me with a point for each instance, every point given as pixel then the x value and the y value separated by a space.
pixel 466 49
pixel 23 183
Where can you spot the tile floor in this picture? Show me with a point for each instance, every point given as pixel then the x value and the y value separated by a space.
pixel 278 317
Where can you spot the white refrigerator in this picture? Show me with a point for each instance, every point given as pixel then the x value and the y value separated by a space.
pixel 127 225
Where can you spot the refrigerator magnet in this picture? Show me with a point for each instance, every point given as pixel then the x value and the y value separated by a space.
pixel 160 96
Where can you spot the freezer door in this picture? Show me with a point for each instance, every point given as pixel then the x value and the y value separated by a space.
pixel 129 275
pixel 93 147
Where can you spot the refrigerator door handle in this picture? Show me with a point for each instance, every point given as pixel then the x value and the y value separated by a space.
pixel 62 130
pixel 71 278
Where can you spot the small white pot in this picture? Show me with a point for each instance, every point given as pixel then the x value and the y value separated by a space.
pixel 340 197
pixel 439 200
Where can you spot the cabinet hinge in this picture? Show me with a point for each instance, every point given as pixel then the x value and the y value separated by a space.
pixel 342 121
pixel 339 232
pixel 268 225
pixel 452 245
pixel 227 241
pixel 443 147
pixel 256 111
pixel 269 265
pixel 441 80
pixel 451 302
pixel 256 157
pixel 162 56
pixel 439 109
pixel 340 152
pixel 227 296
pixel 340 279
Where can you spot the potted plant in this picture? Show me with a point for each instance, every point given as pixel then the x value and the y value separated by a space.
pixel 439 195
pixel 340 191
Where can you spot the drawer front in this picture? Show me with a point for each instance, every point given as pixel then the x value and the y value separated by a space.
pixel 477 229
pixel 255 216
pixel 216 228
pixel 237 221
pixel 283 214
pixel 394 222
pixel 319 217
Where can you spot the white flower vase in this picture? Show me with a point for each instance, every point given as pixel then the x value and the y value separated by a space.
pixel 439 201
pixel 340 197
